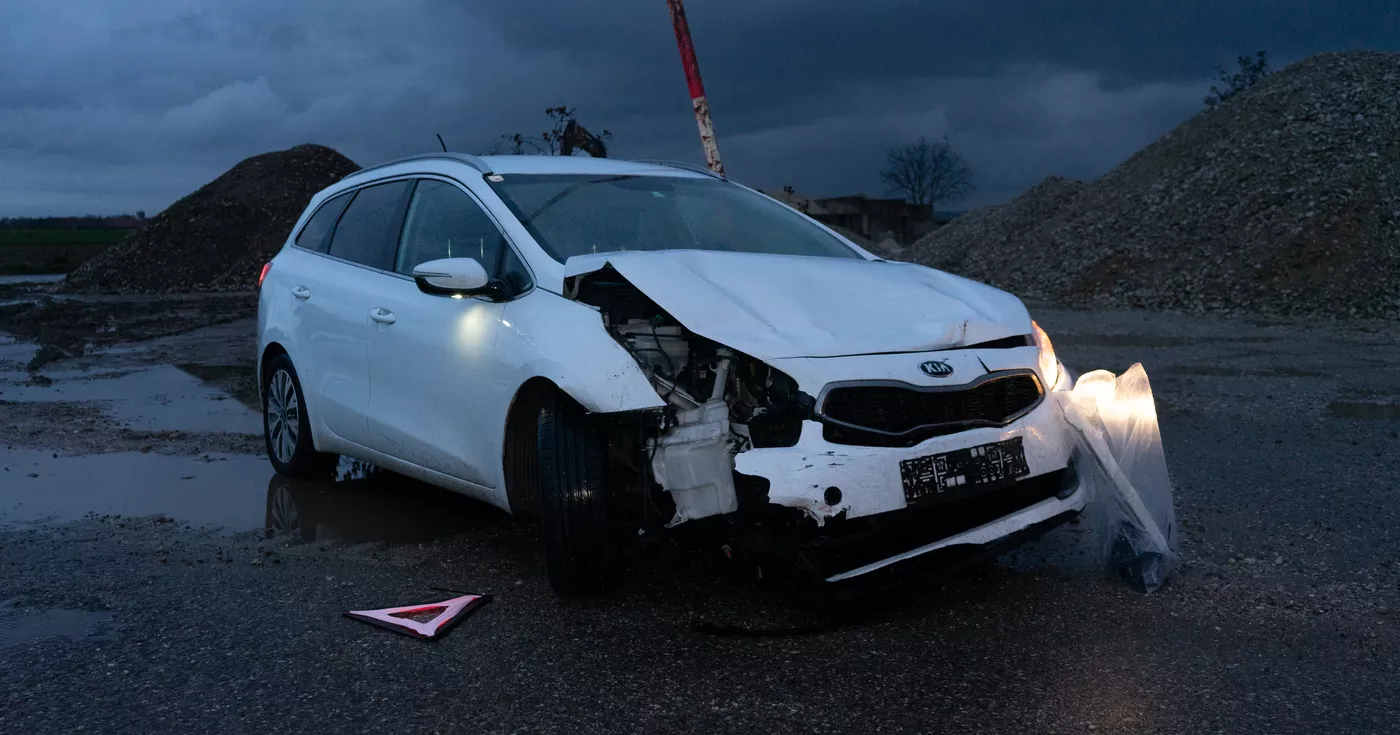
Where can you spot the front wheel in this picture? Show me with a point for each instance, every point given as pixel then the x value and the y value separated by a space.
pixel 573 498
pixel 286 427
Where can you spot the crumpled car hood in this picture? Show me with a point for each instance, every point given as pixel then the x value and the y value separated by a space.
pixel 780 306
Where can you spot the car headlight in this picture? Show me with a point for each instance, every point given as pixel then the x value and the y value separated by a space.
pixel 1049 364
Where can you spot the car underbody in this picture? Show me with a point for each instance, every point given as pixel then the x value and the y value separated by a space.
pixel 835 461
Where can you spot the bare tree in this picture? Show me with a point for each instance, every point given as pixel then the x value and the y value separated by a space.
pixel 564 137
pixel 926 173
pixel 1251 72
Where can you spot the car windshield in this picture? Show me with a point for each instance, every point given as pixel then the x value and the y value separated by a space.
pixel 576 214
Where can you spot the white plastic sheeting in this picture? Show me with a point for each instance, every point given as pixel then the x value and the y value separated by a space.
pixel 1122 465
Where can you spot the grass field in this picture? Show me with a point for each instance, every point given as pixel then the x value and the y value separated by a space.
pixel 61 237
pixel 29 258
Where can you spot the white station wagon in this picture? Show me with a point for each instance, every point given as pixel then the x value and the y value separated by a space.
pixel 615 347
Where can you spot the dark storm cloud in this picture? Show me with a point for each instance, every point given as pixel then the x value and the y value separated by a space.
pixel 117 105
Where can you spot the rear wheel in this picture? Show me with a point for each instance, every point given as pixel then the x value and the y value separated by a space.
pixel 286 426
pixel 573 498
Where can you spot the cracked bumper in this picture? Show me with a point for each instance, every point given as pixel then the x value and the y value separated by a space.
pixel 869 478
pixel 870 483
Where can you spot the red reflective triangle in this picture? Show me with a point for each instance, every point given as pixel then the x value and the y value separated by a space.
pixel 402 619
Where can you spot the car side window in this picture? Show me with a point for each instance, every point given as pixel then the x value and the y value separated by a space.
pixel 445 222
pixel 369 229
pixel 514 272
pixel 316 234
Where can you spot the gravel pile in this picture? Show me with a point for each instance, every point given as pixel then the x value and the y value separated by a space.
pixel 1285 200
pixel 217 238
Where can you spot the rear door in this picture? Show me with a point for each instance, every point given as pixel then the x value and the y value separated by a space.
pixel 332 299
pixel 435 384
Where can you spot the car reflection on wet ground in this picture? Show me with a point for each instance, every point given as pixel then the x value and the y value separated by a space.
pixel 366 503
pixel 222 492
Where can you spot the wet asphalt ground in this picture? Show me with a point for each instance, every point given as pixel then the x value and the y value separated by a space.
pixel 155 576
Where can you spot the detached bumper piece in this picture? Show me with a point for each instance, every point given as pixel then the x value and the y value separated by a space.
pixel 993 520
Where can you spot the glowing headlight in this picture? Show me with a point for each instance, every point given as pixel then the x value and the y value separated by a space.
pixel 1049 364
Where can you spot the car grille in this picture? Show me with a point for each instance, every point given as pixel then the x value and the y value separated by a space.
pixel 900 415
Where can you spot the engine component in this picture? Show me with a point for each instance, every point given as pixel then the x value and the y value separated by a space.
pixel 693 460
pixel 663 349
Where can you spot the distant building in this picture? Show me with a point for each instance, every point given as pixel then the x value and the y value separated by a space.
pixel 870 218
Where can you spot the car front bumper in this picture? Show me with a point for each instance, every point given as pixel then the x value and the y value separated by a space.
pixel 870 483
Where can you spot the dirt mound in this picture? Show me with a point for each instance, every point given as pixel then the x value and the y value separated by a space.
pixel 1285 199
pixel 217 238
pixel 1003 222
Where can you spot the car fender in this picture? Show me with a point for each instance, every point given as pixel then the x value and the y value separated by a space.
pixel 275 326
pixel 544 335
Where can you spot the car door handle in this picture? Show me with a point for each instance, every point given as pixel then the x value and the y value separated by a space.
pixel 383 316
pixel 301 292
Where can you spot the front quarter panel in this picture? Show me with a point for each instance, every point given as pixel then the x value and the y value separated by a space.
pixel 546 335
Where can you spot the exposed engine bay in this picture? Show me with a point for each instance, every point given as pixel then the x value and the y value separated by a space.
pixel 719 402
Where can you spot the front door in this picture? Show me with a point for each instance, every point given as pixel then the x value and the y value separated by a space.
pixel 432 358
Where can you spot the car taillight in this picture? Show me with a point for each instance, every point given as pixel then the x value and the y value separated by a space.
pixel 262 276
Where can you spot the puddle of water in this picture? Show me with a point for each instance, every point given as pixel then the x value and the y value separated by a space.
pixel 379 506
pixel 157 398
pixel 18 629
pixel 32 278
pixel 226 492
pixel 1223 371
pixel 1349 410
pixel 234 493
pixel 14 356
pixel 238 381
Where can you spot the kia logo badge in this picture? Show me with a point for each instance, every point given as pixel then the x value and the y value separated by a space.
pixel 937 369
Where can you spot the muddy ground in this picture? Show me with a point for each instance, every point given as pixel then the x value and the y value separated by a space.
pixel 155 576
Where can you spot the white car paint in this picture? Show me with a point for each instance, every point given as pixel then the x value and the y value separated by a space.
pixel 431 371
pixel 422 384
pixel 330 327
pixel 778 306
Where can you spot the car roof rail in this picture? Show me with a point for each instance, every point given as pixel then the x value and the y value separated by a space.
pixel 473 161
pixel 682 165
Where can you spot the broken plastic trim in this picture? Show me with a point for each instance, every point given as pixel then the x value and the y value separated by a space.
pixel 1005 343
pixel 1125 470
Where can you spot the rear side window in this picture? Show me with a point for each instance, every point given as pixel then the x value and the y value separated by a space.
pixel 444 222
pixel 369 229
pixel 316 234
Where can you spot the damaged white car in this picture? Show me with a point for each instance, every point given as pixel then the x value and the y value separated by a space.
pixel 613 347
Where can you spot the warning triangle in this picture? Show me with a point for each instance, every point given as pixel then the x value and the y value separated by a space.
pixel 428 620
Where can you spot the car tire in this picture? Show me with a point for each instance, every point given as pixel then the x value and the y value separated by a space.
pixel 573 498
pixel 287 426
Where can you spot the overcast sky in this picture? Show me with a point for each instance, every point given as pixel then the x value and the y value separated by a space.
pixel 117 105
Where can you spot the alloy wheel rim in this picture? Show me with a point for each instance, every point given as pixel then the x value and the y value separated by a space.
pixel 283 416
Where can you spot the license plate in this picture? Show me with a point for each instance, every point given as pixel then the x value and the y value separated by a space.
pixel 956 473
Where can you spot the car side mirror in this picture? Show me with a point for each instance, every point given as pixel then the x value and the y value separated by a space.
pixel 455 277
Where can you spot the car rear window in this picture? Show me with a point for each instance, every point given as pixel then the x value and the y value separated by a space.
pixel 368 232
pixel 314 236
